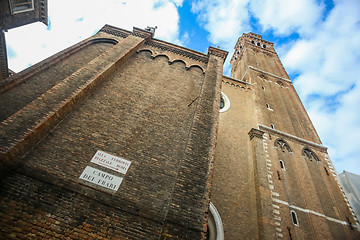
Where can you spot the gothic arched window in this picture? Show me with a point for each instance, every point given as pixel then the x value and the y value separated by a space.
pixel 283 145
pixel 310 155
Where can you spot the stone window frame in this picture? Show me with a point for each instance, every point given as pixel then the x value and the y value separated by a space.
pixel 282 165
pixel 226 102
pixel 294 218
pixel 311 155
pixel 28 4
pixel 215 225
pixel 283 145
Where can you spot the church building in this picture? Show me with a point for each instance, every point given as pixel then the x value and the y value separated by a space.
pixel 125 136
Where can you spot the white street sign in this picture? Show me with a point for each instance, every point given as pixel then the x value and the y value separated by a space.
pixel 101 178
pixel 111 162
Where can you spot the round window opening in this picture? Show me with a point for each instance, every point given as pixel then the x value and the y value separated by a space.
pixel 224 102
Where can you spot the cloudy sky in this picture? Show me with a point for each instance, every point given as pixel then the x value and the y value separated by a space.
pixel 317 41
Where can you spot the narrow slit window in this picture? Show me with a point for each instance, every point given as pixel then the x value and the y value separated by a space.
pixel 282 165
pixel 294 218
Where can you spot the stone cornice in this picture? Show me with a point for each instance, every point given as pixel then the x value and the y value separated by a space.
pixel 256 133
pixel 142 33
pixel 197 56
pixel 293 138
pixel 217 52
pixel 270 74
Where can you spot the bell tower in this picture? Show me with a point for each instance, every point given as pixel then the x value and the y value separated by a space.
pixel 273 178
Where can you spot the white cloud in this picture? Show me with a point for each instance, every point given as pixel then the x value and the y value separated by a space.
pixel 70 25
pixel 285 16
pixel 328 66
pixel 225 20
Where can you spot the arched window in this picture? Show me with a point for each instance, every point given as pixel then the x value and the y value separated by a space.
pixel 283 145
pixel 224 102
pixel 294 218
pixel 215 229
pixel 309 154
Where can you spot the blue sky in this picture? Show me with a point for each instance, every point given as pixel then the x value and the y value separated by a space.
pixel 317 41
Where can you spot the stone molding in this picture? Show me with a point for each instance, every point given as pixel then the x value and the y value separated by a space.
pixel 115 31
pixel 256 133
pixel 217 52
pixel 293 138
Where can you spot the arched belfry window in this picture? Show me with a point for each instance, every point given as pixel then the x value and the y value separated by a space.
pixel 224 102
pixel 280 143
pixel 309 154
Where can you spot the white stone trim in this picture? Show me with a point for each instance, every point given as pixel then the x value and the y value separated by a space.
pixel 218 222
pixel 310 211
pixel 273 75
pixel 292 136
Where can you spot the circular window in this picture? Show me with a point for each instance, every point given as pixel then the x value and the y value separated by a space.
pixel 224 102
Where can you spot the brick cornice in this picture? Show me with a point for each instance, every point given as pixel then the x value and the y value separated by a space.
pixel 115 31
pixel 217 52
pixel 197 56
pixel 142 33
pixel 256 133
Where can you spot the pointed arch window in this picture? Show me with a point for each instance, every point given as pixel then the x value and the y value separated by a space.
pixel 309 154
pixel 282 145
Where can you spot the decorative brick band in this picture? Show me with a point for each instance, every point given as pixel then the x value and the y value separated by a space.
pixel 177 50
pixel 217 52
pixel 115 31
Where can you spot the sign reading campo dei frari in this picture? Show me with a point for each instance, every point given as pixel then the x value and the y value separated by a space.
pixel 102 178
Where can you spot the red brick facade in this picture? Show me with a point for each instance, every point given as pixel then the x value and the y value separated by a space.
pixel 156 105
